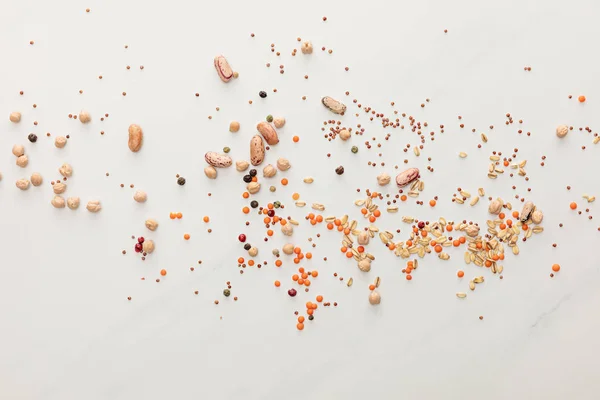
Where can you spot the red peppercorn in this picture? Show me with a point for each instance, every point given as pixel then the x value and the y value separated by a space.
pixel 138 247
pixel 242 238
pixel 141 239
pixel 292 292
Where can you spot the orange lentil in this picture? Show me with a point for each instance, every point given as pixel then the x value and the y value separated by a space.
pixel 347 231
pixel 300 281
pixel 254 179
pixel 310 311
pixel 371 287
pixel 295 196
pixel 495 257
pixel 524 227
pixel 408 277
pixel 270 232
pixel 313 306
pixel 377 213
pixel 432 203
pixel 501 216
pixel 360 249
pixel 488 263
pixel 277 283
pixel 296 139
pixel 301 269
pixel 573 205
pixel 410 264
pixel 372 218
pixel 460 274
pixel 506 163
pixel 330 226
pixel 245 195
pixel 432 243
pixel 179 215
pixel 501 256
pixel 275 219
pixel 265 211
pixel 319 218
pixel 415 229
pixel 462 240
pixel 304 275
pixel 313 221
pixel 309 255
pixel 349 254
pixel 301 319
pixel 267 220
pixel 340 228
pixel 515 214
pixel 278 263
pixel 556 268
pixel 250 262
pixel 270 206
pixel 502 226
pixel 509 222
pixel 319 298
pixel 306 282
pixel 449 228
pixel 186 236
pixel 296 260
pixel 479 245
pixel 403 197
pixel 438 248
pixel 392 246
pixel 581 99
pixel 163 272
pixel 311 216
pixel 314 274
pixel 245 210
pixel 409 269
pixel 408 243
pixel 456 243
pixel 284 181
pixel 337 222
pixel 300 326
pixel 424 233
pixel 172 215
pixel 283 222
pixel 364 211
pixel 241 260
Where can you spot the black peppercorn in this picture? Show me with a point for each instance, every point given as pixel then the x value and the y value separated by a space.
pixel 32 137
pixel 252 172
pixel 339 170
pixel 271 213
pixel 247 246
pixel 254 204
pixel 262 94
pixel 247 178
pixel 311 317
pixel 181 181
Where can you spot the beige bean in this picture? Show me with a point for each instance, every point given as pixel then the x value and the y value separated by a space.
pixel 18 150
pixel 15 117
pixel 210 172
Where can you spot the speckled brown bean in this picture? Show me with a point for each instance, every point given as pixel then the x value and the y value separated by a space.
pixel 257 150
pixel 223 69
pixel 218 160
pixel 406 177
pixel 268 132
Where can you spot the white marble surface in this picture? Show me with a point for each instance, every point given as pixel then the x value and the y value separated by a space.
pixel 68 331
